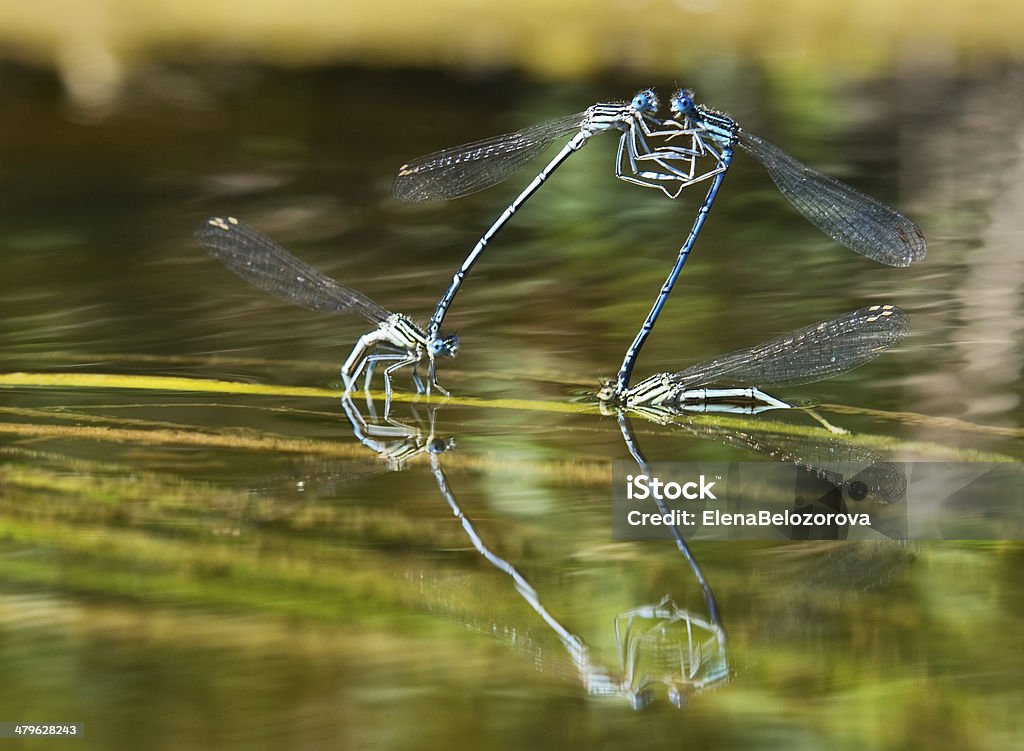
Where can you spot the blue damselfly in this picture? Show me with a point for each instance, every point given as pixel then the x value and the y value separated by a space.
pixel 848 216
pixel 265 264
pixel 806 355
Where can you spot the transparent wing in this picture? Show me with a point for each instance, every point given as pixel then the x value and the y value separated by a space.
pixel 462 170
pixel 806 355
pixel 842 212
pixel 265 264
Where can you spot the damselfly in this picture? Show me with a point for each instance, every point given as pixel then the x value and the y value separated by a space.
pixel 806 355
pixel 461 170
pixel 265 264
pixel 842 212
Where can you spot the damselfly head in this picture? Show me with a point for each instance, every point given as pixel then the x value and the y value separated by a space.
pixel 440 445
pixel 607 392
pixel 682 102
pixel 445 346
pixel 645 101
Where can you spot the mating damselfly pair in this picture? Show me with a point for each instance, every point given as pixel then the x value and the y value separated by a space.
pixel 694 144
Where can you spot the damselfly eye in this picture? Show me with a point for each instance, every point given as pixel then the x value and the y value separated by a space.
pixel 682 102
pixel 446 347
pixel 646 101
pixel 607 391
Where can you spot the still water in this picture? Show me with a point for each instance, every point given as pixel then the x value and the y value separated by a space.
pixel 228 570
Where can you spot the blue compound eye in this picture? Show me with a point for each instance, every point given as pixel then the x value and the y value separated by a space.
pixel 682 102
pixel 646 101
pixel 446 346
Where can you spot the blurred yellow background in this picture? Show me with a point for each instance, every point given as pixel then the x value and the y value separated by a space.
pixel 95 42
